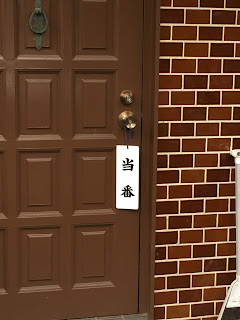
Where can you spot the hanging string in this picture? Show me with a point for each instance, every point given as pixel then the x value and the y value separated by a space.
pixel 126 136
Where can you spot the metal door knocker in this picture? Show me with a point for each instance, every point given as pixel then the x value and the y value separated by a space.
pixel 37 25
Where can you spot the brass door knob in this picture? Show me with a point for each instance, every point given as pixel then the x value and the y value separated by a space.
pixel 127 119
pixel 126 97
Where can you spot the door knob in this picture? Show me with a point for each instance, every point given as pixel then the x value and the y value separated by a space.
pixel 126 97
pixel 127 119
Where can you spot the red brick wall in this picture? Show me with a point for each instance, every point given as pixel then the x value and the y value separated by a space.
pixel 199 122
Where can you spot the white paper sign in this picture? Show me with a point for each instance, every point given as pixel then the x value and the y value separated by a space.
pixel 127 177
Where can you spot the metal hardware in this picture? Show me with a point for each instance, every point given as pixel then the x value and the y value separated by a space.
pixel 127 119
pixel 37 25
pixel 127 97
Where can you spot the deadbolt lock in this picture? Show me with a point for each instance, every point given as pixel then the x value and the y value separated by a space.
pixel 127 119
pixel 127 97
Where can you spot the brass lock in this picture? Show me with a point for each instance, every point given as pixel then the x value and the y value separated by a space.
pixel 127 119
pixel 126 97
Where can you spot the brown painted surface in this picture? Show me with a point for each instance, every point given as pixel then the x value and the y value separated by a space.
pixel 65 251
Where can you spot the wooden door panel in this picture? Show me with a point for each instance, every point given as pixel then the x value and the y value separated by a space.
pixel 92 256
pixel 94 27
pixel 2 104
pixel 94 116
pixel 39 103
pixel 39 183
pixel 3 213
pixel 52 37
pixel 2 262
pixel 39 259
pixel 94 180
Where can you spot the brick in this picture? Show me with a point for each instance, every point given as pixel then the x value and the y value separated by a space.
pixel 208 97
pixel 160 283
pixel 202 309
pixel 231 97
pixel 163 238
pixel 190 296
pixel 218 175
pixel 232 34
pixel 219 113
pixel 206 160
pixel 165 3
pixel 184 33
pixel 163 98
pixel 190 266
pixel 167 207
pixel 180 192
pixel 222 50
pixel 230 129
pixel 192 176
pixel 181 161
pixel 231 66
pixel 206 190
pixel 236 143
pixel 165 32
pixel 223 17
pixel 196 50
pixel 221 82
pixel 160 253
pixel 172 16
pixel 227 190
pixel 193 145
pixel 180 311
pixel 205 250
pixel 178 252
pixel 161 223
pixel 162 298
pixel 232 264
pixel 163 129
pixel 217 205
pixel 203 280
pixel 162 161
pixel 195 82
pixel 237 82
pixel 232 234
pixel 175 282
pixel 210 33
pixel 159 313
pixel 219 144
pixel 217 293
pixel 226 220
pixel 215 265
pixel 162 268
pixel 191 236
pixel 191 206
pixel 232 205
pixel 212 4
pixel 183 65
pixel 236 113
pixel 233 4
pixel 207 129
pixel 164 65
pixel 204 221
pixel 182 129
pixel 183 98
pixel 180 222
pixel 170 145
pixel 209 66
pixel 170 82
pixel 226 249
pixel 225 278
pixel 226 160
pixel 185 3
pixel 168 176
pixel 171 49
pixel 198 16
pixel 216 235
pixel 195 113
pixel 169 114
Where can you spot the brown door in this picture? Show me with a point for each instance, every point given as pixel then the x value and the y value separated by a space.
pixel 65 251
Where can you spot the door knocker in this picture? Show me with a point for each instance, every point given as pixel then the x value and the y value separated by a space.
pixel 37 25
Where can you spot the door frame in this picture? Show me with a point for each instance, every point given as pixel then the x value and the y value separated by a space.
pixel 151 32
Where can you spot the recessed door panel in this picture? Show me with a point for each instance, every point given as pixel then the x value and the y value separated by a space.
pixel 3 266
